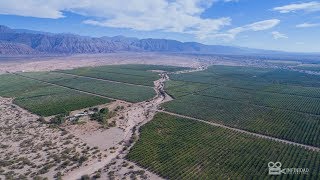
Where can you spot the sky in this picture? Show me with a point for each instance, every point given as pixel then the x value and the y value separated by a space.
pixel 287 25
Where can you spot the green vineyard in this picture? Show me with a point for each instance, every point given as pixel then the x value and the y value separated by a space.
pixel 135 74
pixel 43 99
pixel 177 148
pixel 253 99
pixel 131 93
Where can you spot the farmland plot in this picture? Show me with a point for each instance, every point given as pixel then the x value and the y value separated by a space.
pixel 178 148
pixel 44 99
pixel 135 74
pixel 131 93
pixel 233 96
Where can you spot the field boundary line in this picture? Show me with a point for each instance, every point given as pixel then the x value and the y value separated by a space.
pixel 244 131
pixel 66 87
pixel 254 104
pixel 100 79
pixel 271 92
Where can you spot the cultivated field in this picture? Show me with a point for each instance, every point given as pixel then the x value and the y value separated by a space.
pixel 134 74
pixel 278 103
pixel 177 148
pixel 274 102
pixel 50 93
pixel 130 93
pixel 44 99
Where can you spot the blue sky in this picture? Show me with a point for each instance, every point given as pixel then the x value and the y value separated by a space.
pixel 289 25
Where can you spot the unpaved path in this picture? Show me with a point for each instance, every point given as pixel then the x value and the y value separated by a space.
pixel 136 115
pixel 141 113
pixel 244 131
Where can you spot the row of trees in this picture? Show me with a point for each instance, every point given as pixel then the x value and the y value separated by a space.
pixel 177 148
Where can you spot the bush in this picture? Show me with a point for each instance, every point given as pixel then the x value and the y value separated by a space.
pixel 58 176
pixel 104 111
pixel 82 159
pixel 58 119
pixel 112 124
pixel 97 175
pixel 98 117
pixel 85 177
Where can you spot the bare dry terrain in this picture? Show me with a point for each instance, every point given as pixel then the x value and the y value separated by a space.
pixel 32 149
pixel 74 61
pixel 128 119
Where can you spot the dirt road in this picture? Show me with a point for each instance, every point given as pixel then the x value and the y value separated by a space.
pixel 244 131
pixel 135 116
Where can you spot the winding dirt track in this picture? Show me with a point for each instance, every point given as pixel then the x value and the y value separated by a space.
pixel 159 88
pixel 136 115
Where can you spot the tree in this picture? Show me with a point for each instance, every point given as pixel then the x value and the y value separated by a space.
pixel 58 119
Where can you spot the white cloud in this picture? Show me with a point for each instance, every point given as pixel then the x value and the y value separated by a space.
pixel 307 25
pixel 182 16
pixel 308 7
pixel 278 35
pixel 256 26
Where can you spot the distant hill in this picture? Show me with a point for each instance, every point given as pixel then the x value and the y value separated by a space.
pixel 16 49
pixel 22 41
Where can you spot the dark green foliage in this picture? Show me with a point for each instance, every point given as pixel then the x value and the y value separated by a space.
pixel 44 99
pixel 104 111
pixel 135 74
pixel 177 148
pixel 131 93
pixel 101 116
pixel 252 99
pixel 58 119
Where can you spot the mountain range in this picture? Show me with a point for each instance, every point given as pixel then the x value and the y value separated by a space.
pixel 26 42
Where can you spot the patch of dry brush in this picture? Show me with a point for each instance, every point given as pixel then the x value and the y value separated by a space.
pixel 30 149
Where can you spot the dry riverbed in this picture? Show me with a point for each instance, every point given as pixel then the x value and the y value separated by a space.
pixel 30 148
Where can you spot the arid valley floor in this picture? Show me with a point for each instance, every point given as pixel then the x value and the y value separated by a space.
pixel 169 117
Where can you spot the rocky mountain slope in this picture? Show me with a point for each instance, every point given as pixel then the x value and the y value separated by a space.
pixel 14 42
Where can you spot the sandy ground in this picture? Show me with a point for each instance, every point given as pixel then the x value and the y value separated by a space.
pixel 27 64
pixel 68 62
pixel 137 115
pixel 104 148
pixel 129 120
pixel 30 148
